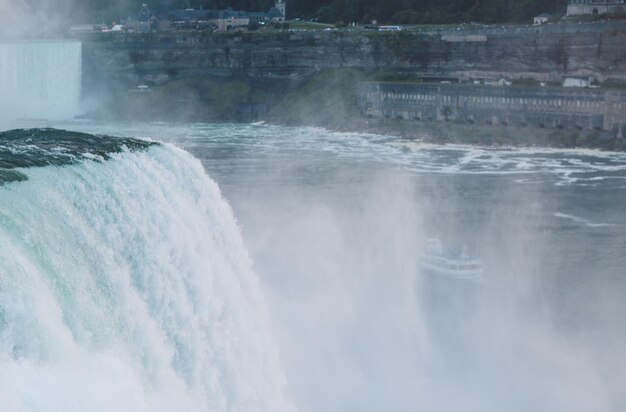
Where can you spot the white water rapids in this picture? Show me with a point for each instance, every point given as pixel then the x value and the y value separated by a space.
pixel 125 286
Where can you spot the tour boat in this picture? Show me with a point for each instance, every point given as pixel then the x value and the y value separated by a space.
pixel 450 263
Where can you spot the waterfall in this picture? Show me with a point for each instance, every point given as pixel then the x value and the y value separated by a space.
pixel 125 285
pixel 40 80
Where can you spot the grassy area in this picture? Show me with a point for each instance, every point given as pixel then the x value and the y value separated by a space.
pixel 308 25
pixel 585 18
pixel 614 85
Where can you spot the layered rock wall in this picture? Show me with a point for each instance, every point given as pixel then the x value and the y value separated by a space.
pixel 543 53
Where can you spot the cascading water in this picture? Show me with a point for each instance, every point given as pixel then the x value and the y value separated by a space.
pixel 40 80
pixel 124 283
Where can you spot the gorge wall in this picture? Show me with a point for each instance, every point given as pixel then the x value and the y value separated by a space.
pixel 543 53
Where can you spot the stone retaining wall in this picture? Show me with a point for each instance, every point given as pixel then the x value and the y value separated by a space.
pixel 516 106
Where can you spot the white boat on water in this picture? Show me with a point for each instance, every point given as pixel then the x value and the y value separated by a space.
pixel 450 263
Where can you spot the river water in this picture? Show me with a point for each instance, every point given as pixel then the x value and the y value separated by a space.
pixel 334 225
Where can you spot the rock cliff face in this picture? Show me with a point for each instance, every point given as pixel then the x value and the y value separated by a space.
pixel 544 53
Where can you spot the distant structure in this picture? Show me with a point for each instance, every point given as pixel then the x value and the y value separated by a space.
pixel 581 7
pixel 143 22
pixel 282 7
pixel 560 108
pixel 541 19
pixel 577 81
pixel 220 20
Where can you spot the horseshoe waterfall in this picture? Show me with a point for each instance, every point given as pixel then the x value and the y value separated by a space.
pixel 124 283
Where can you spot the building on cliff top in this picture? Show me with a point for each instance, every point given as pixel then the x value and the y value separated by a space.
pixel 142 22
pixel 581 7
pixel 221 20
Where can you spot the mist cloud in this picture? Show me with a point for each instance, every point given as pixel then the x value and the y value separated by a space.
pixel 36 18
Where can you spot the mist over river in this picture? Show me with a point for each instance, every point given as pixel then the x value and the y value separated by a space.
pixel 344 319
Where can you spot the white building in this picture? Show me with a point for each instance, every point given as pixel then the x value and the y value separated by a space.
pixel 577 81
pixel 541 19
pixel 581 7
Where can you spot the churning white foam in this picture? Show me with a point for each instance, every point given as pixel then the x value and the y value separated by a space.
pixel 126 286
pixel 579 220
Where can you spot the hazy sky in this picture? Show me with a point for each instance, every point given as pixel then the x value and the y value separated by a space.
pixel 34 18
